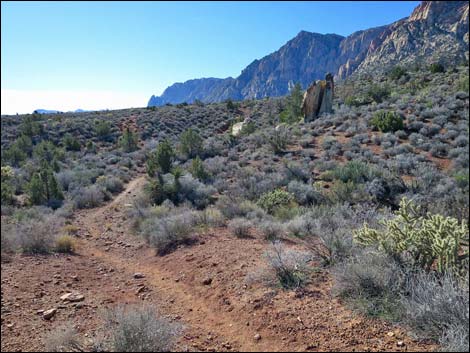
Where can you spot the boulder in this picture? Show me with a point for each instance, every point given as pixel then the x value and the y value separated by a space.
pixel 318 98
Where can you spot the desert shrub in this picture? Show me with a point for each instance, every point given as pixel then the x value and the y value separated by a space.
pixel 190 189
pixel 290 267
pixel 354 171
pixel 439 150
pixel 437 307
pixel 197 169
pixel 6 185
pixel 397 72
pixel 102 129
pixel 37 235
pixel 271 230
pixel 371 283
pixel 278 138
pixel 328 230
pixel 170 231
pixel 461 141
pixel 422 240
pixel 63 339
pixel 436 68
pixel 191 143
pixel 88 197
pixel 71 143
pixel 387 121
pixel 272 201
pixel 462 84
pixel 211 216
pixel 378 92
pixel 65 244
pixel 304 194
pixel 111 184
pixel 297 171
pixel 138 328
pixel 128 141
pixel 232 207
pixel 240 227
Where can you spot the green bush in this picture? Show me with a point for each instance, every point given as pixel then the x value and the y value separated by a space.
pixel 71 143
pixel 47 153
pixel 378 92
pixel 30 127
pixel 278 139
pixel 14 155
pixel 424 240
pixel 191 143
pixel 102 129
pixel 65 244
pixel 128 141
pixel 387 121
pixel 162 159
pixel 463 83
pixel 43 189
pixel 6 187
pixel 293 113
pixel 355 171
pixel 198 170
pixel 436 68
pixel 272 201
pixel 397 72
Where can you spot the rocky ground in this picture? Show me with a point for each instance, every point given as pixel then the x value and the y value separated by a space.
pixel 205 287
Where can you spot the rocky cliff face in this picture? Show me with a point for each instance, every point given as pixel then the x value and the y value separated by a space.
pixel 436 30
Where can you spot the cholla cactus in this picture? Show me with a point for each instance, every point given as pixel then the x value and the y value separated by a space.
pixel 428 240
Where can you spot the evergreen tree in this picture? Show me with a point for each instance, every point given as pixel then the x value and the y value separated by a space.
pixel 160 160
pixel 128 141
pixel 198 170
pixel 293 111
pixel 44 189
pixel 191 143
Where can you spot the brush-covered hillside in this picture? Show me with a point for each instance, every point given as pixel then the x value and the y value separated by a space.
pixel 161 229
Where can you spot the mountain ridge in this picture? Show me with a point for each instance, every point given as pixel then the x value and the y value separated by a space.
pixel 434 31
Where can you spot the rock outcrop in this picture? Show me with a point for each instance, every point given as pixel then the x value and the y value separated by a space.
pixel 318 98
pixel 434 31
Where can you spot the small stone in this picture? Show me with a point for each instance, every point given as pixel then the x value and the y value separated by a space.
pixel 72 297
pixel 257 337
pixel 400 343
pixel 10 325
pixel 207 281
pixel 390 334
pixel 48 314
pixel 138 275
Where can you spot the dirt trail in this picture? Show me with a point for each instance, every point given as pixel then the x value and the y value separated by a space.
pixel 225 315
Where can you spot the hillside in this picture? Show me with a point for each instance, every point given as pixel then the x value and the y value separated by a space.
pixel 436 31
pixel 253 242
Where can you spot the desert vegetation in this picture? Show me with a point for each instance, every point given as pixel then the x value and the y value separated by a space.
pixel 375 195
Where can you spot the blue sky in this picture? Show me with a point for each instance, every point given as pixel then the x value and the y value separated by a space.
pixel 130 50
